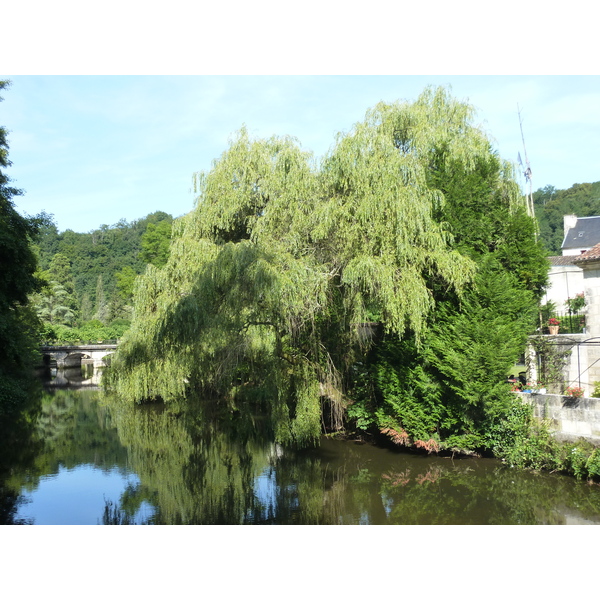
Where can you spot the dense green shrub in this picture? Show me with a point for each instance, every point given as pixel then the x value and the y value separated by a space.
pixel 522 443
pixel 507 435
pixel 592 464
pixel 92 331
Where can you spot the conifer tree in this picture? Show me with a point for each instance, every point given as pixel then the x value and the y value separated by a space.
pixel 102 306
pixel 452 388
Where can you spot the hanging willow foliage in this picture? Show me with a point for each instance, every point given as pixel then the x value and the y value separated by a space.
pixel 281 258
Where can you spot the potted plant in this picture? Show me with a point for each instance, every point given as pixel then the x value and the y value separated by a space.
pixel 553 325
pixel 539 388
pixel 534 388
pixel 574 391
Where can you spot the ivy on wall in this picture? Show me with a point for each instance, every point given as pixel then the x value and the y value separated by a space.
pixel 552 359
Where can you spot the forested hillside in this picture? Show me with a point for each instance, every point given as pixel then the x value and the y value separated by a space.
pixel 90 276
pixel 581 199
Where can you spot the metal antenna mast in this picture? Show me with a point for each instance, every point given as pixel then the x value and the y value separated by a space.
pixel 526 170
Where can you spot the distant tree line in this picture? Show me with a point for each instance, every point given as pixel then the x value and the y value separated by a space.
pixel 88 278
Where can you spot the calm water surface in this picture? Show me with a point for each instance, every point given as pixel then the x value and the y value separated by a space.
pixel 79 458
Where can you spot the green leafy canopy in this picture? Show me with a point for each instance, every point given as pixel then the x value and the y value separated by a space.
pixel 268 279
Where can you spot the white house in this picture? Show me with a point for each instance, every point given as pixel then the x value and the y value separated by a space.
pixel 577 271
pixel 589 262
pixel 566 276
pixel 582 367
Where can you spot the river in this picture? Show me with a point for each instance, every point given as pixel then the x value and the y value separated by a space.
pixel 78 457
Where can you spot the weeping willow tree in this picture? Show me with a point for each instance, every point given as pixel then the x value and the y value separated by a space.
pixel 270 277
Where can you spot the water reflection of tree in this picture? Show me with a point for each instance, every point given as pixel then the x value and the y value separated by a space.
pixel 192 471
pixel 203 463
pixel 61 428
pixel 18 449
pixel 465 493
pixel 73 428
pixel 197 472
pixel 418 490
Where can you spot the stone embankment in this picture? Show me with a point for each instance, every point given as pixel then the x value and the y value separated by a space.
pixel 568 418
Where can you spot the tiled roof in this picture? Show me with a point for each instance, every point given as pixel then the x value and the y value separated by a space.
pixel 585 234
pixel 562 261
pixel 590 255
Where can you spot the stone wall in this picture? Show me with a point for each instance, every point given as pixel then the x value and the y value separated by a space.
pixel 569 418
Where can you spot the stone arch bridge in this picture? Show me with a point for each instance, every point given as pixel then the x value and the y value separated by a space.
pixel 74 356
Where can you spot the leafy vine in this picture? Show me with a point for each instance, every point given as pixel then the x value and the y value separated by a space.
pixel 551 361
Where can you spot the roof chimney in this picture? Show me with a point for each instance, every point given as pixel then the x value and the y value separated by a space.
pixel 569 221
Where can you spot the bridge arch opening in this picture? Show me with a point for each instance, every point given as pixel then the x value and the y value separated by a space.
pixel 76 359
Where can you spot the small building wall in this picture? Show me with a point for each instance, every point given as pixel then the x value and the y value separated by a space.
pixel 591 284
pixel 576 251
pixel 564 282
pixel 591 281
pixel 568 418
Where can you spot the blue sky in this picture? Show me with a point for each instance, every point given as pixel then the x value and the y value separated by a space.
pixel 92 150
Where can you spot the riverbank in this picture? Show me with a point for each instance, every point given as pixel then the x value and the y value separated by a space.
pixel 560 435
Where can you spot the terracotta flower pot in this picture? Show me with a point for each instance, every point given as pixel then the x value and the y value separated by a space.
pixel 553 329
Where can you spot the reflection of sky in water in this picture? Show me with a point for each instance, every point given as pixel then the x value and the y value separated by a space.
pixel 265 490
pixel 78 496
